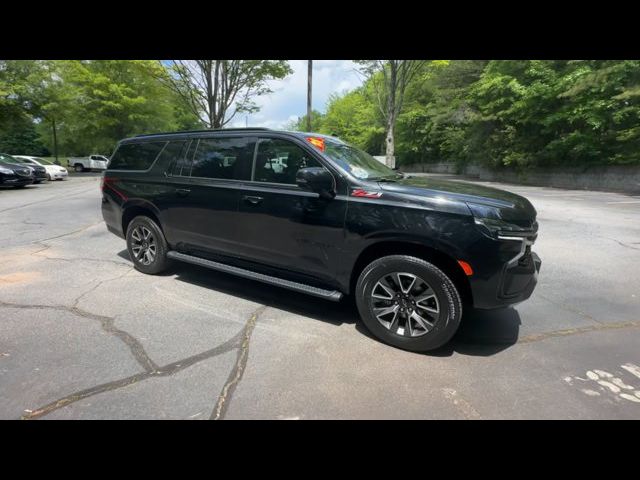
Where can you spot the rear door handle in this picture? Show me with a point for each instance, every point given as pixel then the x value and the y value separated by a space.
pixel 252 200
pixel 183 192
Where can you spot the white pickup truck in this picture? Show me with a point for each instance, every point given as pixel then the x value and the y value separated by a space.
pixel 92 162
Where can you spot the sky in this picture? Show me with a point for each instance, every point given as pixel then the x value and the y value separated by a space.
pixel 289 98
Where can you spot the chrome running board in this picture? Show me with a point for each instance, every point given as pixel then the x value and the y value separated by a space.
pixel 332 295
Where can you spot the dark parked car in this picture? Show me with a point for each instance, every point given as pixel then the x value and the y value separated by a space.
pixel 39 172
pixel 12 174
pixel 311 213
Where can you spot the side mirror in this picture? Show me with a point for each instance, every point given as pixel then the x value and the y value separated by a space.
pixel 316 179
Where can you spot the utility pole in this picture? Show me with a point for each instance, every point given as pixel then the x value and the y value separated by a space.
pixel 309 79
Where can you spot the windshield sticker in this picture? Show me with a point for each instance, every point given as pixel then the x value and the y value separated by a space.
pixel 359 172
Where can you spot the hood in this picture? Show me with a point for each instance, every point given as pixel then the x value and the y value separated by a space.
pixel 514 207
pixel 18 169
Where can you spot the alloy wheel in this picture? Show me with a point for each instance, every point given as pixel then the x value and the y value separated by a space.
pixel 405 304
pixel 143 245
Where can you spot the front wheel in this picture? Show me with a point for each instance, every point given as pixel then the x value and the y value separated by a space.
pixel 147 246
pixel 408 302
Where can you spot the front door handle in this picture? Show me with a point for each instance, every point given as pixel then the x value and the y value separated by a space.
pixel 252 200
pixel 183 192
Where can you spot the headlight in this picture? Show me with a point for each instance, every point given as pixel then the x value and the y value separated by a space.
pixel 489 220
pixel 6 171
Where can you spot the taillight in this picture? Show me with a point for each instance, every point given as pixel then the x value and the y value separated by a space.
pixel 109 182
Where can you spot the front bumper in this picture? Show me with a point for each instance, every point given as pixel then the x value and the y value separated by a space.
pixel 512 278
pixel 58 175
pixel 16 181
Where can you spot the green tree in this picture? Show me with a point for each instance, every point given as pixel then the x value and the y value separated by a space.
pixel 17 130
pixel 216 90
pixel 300 123
pixel 87 106
pixel 389 80
pixel 356 120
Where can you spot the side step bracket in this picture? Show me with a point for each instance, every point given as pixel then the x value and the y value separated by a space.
pixel 332 295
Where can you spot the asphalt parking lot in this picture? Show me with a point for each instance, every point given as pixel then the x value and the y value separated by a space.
pixel 85 336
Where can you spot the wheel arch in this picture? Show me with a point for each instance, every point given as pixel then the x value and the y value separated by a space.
pixel 440 259
pixel 137 208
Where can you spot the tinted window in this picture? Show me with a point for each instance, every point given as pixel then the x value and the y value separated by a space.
pixel 182 166
pixel 135 156
pixel 278 161
pixel 228 158
pixel 171 153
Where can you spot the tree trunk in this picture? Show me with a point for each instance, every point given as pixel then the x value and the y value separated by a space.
pixel 390 145
pixel 391 113
pixel 55 139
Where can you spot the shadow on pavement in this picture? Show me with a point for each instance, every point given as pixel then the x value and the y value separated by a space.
pixel 481 332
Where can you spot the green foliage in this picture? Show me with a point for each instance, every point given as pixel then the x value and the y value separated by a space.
pixel 507 114
pixel 92 104
pixel 356 120
pixel 350 116
pixel 300 123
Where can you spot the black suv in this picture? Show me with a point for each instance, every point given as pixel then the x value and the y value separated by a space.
pixel 311 213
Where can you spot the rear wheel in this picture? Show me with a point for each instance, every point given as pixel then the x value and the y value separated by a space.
pixel 147 246
pixel 408 302
pixel 78 168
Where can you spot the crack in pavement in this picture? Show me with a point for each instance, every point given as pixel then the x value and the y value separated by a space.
pixel 536 337
pixel 84 259
pixel 238 341
pixel 623 244
pixel 107 323
pixel 238 369
pixel 68 233
pixel 569 309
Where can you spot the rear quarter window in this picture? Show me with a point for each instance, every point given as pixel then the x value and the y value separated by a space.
pixel 135 156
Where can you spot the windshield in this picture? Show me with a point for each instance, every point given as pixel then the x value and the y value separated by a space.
pixel 8 158
pixel 42 161
pixel 358 163
pixel 20 160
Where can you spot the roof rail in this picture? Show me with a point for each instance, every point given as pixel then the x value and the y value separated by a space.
pixel 203 131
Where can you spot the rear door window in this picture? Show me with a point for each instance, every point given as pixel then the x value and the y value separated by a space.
pixel 135 156
pixel 182 164
pixel 172 153
pixel 223 158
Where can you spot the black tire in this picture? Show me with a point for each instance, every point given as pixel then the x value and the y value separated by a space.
pixel 48 177
pixel 449 304
pixel 160 261
pixel 78 168
pixel 19 186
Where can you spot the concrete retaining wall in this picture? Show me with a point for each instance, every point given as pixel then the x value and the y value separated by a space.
pixel 625 179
